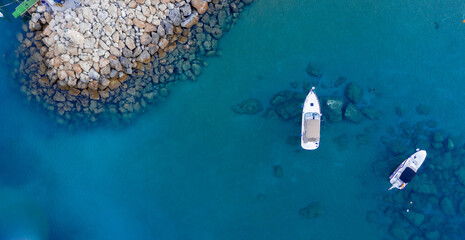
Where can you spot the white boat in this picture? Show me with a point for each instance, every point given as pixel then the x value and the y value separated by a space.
pixel 407 170
pixel 311 119
pixel 1 14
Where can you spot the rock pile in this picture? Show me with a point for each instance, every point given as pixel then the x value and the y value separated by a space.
pixel 98 44
pixel 133 81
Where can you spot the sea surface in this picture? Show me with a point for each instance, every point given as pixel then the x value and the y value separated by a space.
pixel 190 168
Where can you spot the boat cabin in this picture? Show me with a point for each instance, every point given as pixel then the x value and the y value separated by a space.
pixel 407 175
pixel 312 127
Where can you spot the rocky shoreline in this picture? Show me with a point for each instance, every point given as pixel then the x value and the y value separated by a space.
pixel 93 63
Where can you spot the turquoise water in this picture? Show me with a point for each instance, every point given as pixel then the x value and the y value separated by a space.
pixel 190 168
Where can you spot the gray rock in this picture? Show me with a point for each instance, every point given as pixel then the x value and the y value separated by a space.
pixel 175 16
pixel 145 39
pixel 332 108
pixel 186 10
pixel 93 74
pixel 352 114
pixel 161 31
pixel 249 106
pixel 125 62
pixel 59 97
pixel 127 53
pixel 169 30
pixel 144 57
pixel 313 210
pixel 354 92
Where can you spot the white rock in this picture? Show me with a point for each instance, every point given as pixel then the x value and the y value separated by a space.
pixel 113 11
pixel 85 65
pixel 84 27
pixel 93 74
pixel 102 15
pixel 108 30
pixel 75 37
pixel 130 43
pixel 89 43
pixel 87 14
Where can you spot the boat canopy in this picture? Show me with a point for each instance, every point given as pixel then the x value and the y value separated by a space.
pixel 312 127
pixel 407 175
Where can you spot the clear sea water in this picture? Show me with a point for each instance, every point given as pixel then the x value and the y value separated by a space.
pixel 190 168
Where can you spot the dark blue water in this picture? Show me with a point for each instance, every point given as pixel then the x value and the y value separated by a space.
pixel 190 168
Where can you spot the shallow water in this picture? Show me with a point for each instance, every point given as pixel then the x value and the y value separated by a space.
pixel 190 168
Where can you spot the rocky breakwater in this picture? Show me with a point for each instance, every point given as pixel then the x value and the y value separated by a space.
pixel 113 68
pixel 96 46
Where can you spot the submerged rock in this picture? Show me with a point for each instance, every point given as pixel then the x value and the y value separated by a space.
pixel 339 81
pixel 278 171
pixel 313 210
pixel 371 113
pixel 332 108
pixel 354 92
pixel 397 146
pixel 313 71
pixel 399 232
pixel 249 106
pixel 422 109
pixel 352 114
pixel 288 105
pixel 416 219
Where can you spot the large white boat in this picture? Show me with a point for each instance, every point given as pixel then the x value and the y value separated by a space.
pixel 407 170
pixel 311 119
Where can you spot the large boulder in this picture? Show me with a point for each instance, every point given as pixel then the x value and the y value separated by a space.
pixel 288 105
pixel 352 114
pixel 354 92
pixel 332 108
pixel 313 71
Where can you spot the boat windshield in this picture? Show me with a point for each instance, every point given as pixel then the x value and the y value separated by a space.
pixel 407 175
pixel 311 127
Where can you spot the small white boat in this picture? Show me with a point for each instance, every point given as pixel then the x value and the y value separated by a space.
pixel 407 170
pixel 311 119
pixel 1 14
